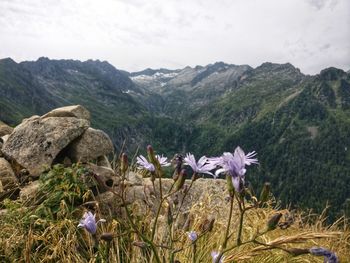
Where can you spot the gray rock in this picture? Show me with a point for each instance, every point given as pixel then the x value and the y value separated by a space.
pixel 102 177
pixel 89 146
pixel 76 111
pixel 35 143
pixel 103 161
pixel 7 176
pixel 5 129
pixel 134 178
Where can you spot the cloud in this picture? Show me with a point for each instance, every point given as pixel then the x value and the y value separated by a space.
pixel 135 34
pixel 320 4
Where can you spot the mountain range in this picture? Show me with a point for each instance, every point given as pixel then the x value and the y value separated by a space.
pixel 299 124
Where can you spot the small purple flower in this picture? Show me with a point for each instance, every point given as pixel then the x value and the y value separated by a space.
pixel 329 256
pixel 215 255
pixel 203 166
pixel 144 164
pixel 163 161
pixel 89 222
pixel 192 236
pixel 234 165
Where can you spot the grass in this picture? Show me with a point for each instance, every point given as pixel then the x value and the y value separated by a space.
pixel 44 228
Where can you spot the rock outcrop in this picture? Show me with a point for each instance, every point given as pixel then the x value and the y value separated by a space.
pixel 76 111
pixel 36 142
pixel 91 145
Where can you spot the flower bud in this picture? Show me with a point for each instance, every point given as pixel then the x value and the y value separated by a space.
pixel 192 236
pixel 169 215
pixel 181 180
pixel 124 163
pixel 150 153
pixel 107 237
pixel 273 221
pixel 207 225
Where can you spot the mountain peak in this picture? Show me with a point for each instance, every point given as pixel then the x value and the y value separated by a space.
pixel 331 73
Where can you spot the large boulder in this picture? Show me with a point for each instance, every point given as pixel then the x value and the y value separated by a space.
pixel 89 146
pixel 76 111
pixel 5 129
pixel 35 143
pixel 8 179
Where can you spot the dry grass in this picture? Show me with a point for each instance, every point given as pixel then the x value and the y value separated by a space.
pixel 27 237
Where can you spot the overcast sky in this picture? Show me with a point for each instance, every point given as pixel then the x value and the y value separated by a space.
pixel 136 34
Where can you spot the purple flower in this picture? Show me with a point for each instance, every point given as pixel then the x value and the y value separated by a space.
pixel 203 166
pixel 163 161
pixel 329 256
pixel 215 256
pixel 192 236
pixel 89 222
pixel 145 164
pixel 234 165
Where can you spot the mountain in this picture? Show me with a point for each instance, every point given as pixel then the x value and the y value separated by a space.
pixel 298 124
pixel 30 88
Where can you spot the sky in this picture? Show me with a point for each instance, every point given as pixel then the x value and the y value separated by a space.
pixel 138 34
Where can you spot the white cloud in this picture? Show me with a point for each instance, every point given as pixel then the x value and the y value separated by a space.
pixel 135 34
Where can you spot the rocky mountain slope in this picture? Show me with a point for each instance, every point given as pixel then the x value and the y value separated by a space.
pixel 299 124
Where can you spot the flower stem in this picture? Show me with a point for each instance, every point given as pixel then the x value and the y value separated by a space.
pixel 194 247
pixel 241 217
pixel 224 244
pixel 226 237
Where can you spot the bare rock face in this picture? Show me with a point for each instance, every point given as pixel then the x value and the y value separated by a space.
pixel 76 111
pixel 89 146
pixel 8 179
pixel 35 143
pixel 5 129
pixel 145 197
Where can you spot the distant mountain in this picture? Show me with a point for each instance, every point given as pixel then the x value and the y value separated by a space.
pixel 298 124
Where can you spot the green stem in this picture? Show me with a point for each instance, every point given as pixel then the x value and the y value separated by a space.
pixel 156 219
pixel 224 244
pixel 183 199
pixel 240 227
pixel 194 253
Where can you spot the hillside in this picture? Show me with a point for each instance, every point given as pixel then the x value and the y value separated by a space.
pixel 298 124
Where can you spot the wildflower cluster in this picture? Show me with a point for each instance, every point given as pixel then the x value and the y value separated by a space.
pixel 234 167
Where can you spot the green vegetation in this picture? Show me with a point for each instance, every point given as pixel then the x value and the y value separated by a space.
pixel 299 125
pixel 44 227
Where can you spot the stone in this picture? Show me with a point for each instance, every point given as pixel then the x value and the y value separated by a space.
pixel 29 191
pixel 36 142
pixel 5 129
pixel 89 146
pixel 134 178
pixel 7 176
pixel 102 177
pixel 76 111
pixel 103 161
pixel 143 197
pixel 5 138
